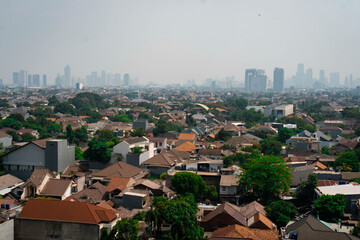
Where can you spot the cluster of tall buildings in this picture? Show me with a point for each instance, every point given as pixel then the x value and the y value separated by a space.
pixel 227 83
pixel 25 79
pixel 257 81
pixel 65 80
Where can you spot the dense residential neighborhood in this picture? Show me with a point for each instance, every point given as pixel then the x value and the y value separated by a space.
pixel 179 164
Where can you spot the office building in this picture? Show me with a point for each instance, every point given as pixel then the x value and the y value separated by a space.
pixel 16 78
pixel 309 78
pixel 117 79
pixel 22 78
pixel 322 77
pixel 126 79
pixel 255 80
pixel 79 86
pixel 29 80
pixel 58 81
pixel 36 80
pixel 279 79
pixel 44 80
pixel 67 77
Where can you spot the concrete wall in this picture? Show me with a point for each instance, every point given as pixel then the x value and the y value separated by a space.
pixel 27 229
pixel 131 202
pixel 58 155
pixel 27 157
pixel 7 230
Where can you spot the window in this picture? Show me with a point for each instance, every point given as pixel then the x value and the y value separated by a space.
pixel 18 167
pixel 223 189
pixel 160 144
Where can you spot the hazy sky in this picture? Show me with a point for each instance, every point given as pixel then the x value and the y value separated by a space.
pixel 172 41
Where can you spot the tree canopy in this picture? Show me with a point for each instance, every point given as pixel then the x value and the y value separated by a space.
pixel 265 178
pixel 306 191
pixel 280 212
pixel 97 151
pixel 347 162
pixel 330 207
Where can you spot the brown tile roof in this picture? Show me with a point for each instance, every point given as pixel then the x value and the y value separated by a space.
pixel 322 183
pixel 65 211
pixel 186 147
pixel 136 140
pixel 187 136
pixel 179 154
pixel 42 142
pixel 251 209
pixel 119 169
pixel 117 183
pixel 240 232
pixel 56 187
pixel 210 152
pixel 7 201
pixel 350 175
pixel 230 209
pixel 93 194
pixel 265 222
pixel 229 180
pixel 8 180
pixel 160 160
pixel 39 174
pixel 149 184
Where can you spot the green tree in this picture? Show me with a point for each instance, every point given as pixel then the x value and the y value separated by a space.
pixel 105 134
pixel 306 191
pixel 121 118
pixel 138 132
pixel 81 135
pixel 325 150
pixel 4 103
pixel 330 207
pixel 70 136
pixel 17 117
pixel 12 123
pixel 65 108
pixel 125 229
pixel 211 193
pixel 28 137
pixel 188 182
pixel 347 161
pixel 285 134
pixel 15 136
pixel 78 153
pixel 280 212
pixel 53 100
pixel 97 151
pixel 270 147
pixel 223 135
pixel 265 178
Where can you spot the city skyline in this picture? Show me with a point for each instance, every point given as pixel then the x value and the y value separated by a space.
pixel 171 41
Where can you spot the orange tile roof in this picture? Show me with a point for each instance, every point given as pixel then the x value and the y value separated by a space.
pixel 320 165
pixel 117 183
pixel 187 136
pixel 241 232
pixel 186 147
pixel 65 211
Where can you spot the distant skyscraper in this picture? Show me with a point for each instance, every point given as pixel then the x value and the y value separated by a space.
pixel 322 78
pixel 255 80
pixel 30 80
pixel 58 81
pixel 346 82
pixel 109 79
pixel 309 77
pixel 44 80
pixel 36 80
pixel 334 79
pixel 67 77
pixel 300 79
pixel 117 79
pixel 126 79
pixel 22 78
pixel 279 79
pixel 16 78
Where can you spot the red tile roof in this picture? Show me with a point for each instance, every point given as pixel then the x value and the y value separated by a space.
pixel 66 211
pixel 117 183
